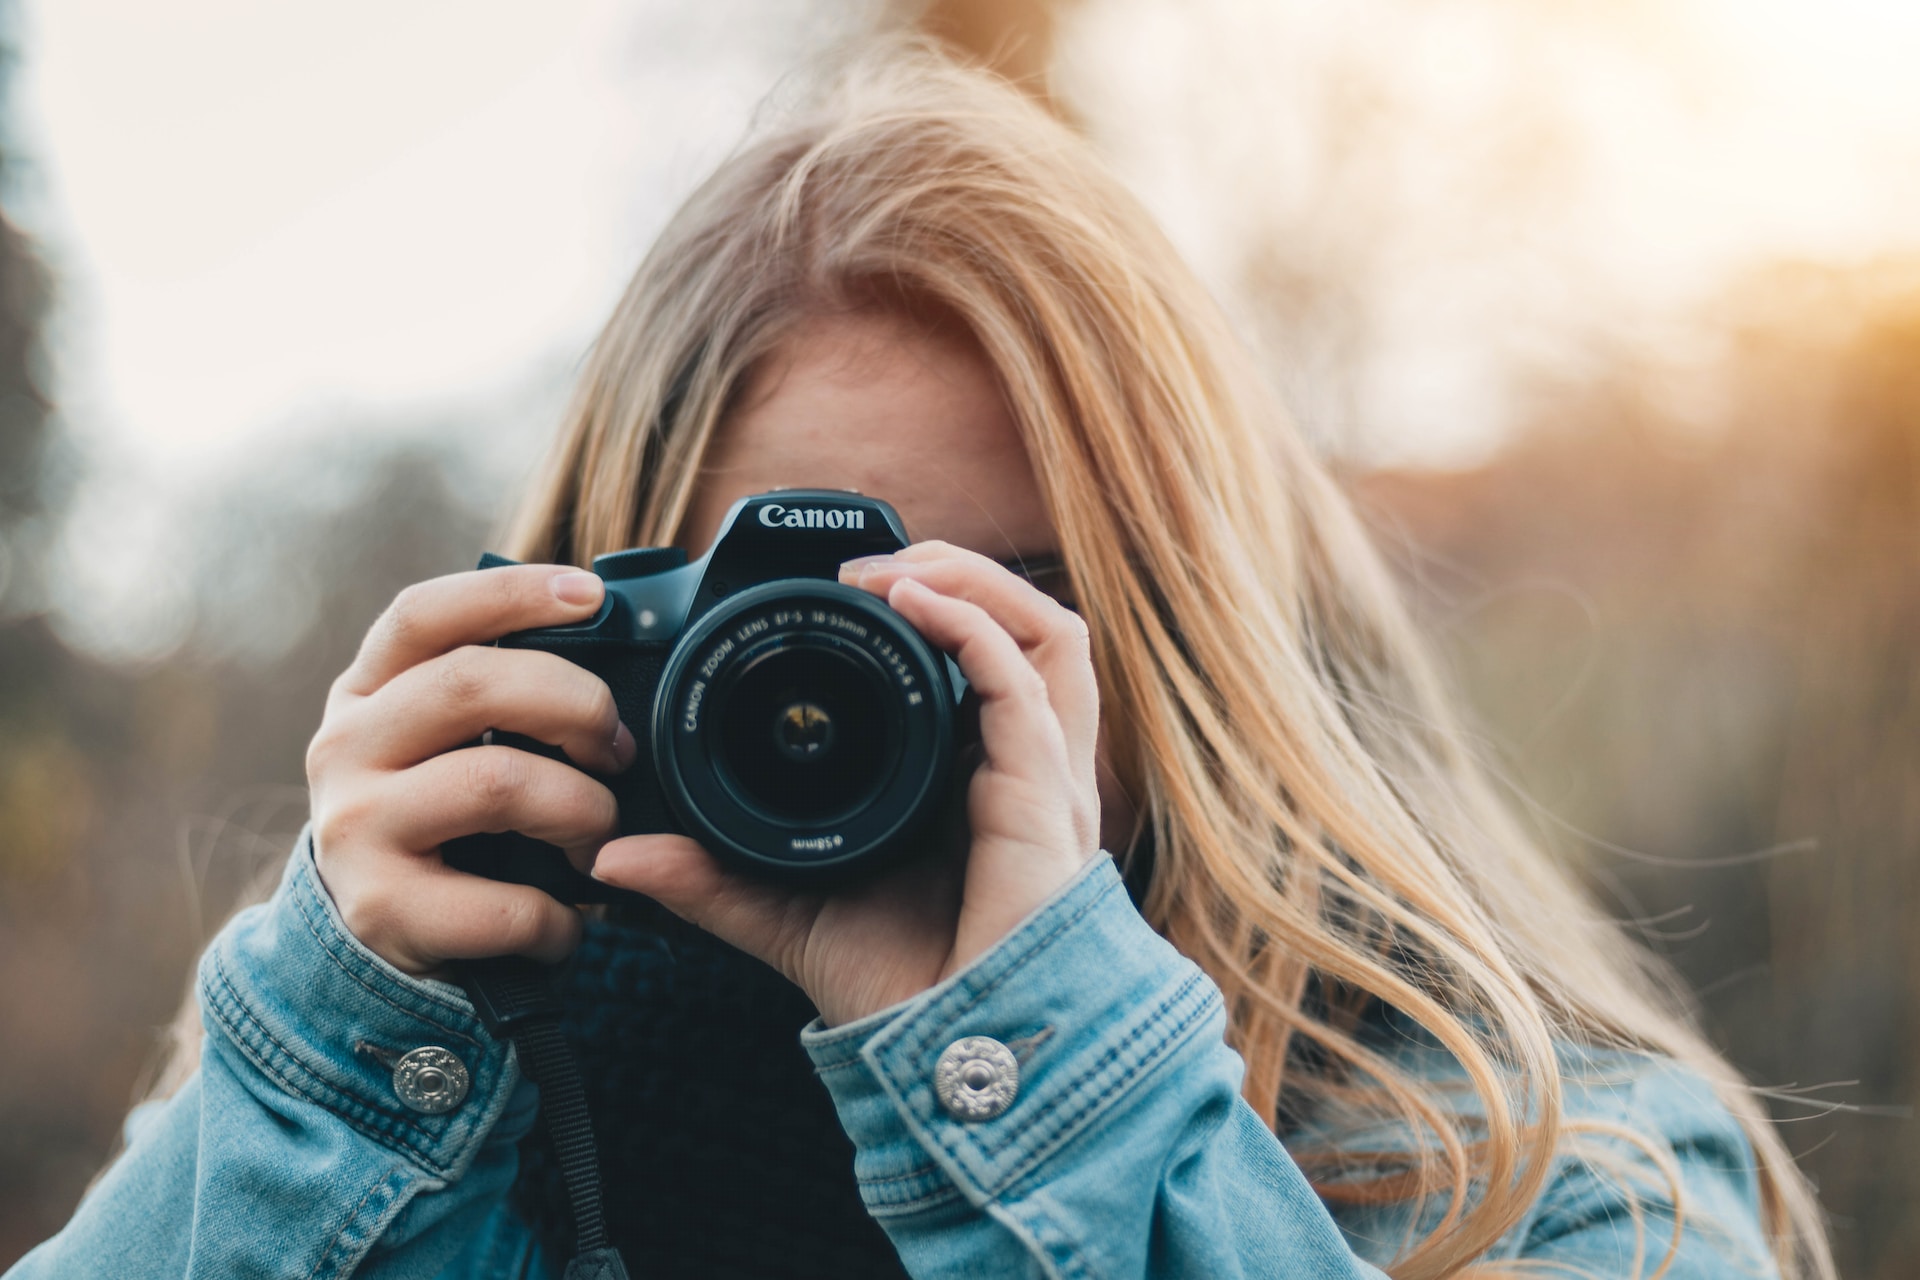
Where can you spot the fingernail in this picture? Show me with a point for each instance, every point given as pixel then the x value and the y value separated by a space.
pixel 624 748
pixel 579 587
pixel 859 564
pixel 599 871
pixel 596 870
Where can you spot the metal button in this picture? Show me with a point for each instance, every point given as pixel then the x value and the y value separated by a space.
pixel 430 1079
pixel 976 1078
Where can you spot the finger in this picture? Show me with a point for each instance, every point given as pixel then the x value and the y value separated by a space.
pixel 433 914
pixel 1028 614
pixel 1018 727
pixel 1055 639
pixel 443 702
pixel 761 918
pixel 432 617
pixel 491 789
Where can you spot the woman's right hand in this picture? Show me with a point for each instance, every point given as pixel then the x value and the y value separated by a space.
pixel 391 779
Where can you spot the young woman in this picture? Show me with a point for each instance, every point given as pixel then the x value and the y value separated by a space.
pixel 1325 1011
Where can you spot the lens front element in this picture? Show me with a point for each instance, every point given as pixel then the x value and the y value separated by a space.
pixel 805 730
pixel 803 726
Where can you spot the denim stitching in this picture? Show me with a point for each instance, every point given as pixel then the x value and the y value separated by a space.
pixel 870 1194
pixel 310 896
pixel 900 1209
pixel 1056 1243
pixel 392 1177
pixel 921 1172
pixel 327 947
pixel 1021 1225
pixel 1042 1146
pixel 1038 1146
pixel 1113 1053
pixel 244 1029
pixel 937 1017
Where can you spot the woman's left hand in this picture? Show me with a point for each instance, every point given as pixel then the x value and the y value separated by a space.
pixel 1032 807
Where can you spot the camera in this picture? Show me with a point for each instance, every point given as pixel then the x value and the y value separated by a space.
pixel 792 725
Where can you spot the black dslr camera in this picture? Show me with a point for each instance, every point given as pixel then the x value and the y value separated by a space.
pixel 792 725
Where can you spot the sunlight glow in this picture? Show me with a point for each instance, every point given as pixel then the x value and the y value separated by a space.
pixel 254 208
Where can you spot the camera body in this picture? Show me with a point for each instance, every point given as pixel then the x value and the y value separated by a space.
pixel 794 726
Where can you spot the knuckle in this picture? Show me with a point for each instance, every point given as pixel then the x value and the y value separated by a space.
pixel 404 618
pixel 597 707
pixel 322 750
pixel 519 922
pixel 332 750
pixel 333 828
pixel 347 825
pixel 506 593
pixel 496 778
pixel 371 914
pixel 606 810
pixel 458 678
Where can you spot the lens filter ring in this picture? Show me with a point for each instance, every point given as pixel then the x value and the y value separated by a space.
pixel 802 727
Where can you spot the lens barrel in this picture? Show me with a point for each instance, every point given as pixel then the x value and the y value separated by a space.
pixel 803 727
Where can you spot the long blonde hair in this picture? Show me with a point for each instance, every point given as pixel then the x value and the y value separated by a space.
pixel 1320 835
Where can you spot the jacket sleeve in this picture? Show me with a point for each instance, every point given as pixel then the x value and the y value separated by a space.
pixel 292 1151
pixel 1611 1209
pixel 1115 1145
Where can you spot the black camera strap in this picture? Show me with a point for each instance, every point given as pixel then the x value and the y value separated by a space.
pixel 516 1000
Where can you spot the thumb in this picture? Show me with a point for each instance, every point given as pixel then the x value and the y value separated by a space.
pixel 764 920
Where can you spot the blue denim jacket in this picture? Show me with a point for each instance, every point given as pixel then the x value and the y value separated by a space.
pixel 1126 1149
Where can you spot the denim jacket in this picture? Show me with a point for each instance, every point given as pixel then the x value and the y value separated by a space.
pixel 1116 1144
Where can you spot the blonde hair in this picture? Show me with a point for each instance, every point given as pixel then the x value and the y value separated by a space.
pixel 1320 835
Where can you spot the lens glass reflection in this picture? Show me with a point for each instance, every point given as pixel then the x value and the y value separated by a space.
pixel 803 732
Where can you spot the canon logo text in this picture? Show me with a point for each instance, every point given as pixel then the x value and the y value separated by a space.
pixel 775 516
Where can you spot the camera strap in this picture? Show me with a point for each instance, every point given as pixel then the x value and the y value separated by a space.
pixel 516 1000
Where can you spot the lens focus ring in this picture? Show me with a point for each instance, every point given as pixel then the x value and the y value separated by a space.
pixel 803 726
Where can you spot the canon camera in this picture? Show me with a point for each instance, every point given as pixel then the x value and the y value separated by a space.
pixel 790 724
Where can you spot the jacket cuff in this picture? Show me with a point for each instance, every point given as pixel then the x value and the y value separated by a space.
pixel 319 1016
pixel 1089 999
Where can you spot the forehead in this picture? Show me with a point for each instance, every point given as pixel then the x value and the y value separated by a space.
pixel 893 408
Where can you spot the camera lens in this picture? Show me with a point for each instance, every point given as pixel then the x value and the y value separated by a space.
pixel 803 730
pixel 802 727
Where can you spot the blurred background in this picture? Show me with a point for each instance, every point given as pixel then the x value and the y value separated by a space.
pixel 1607 313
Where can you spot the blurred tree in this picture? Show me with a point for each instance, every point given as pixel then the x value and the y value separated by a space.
pixel 149 802
pixel 26 418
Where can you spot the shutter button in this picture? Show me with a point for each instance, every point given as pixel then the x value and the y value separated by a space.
pixel 431 1080
pixel 976 1078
